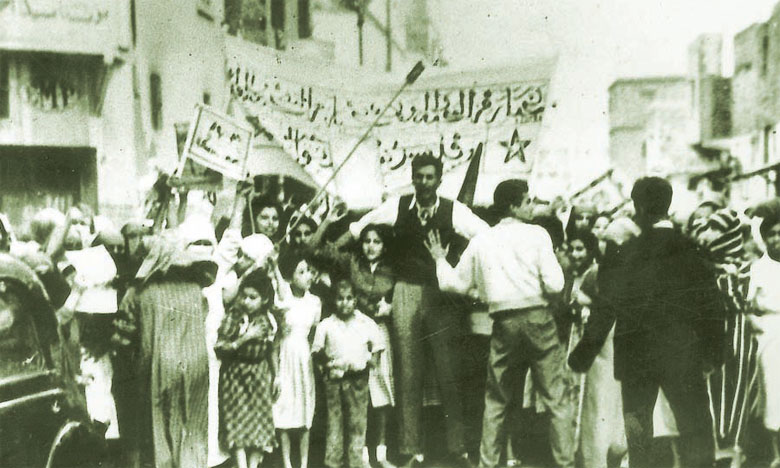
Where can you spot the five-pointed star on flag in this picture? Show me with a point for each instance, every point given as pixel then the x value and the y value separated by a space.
pixel 515 147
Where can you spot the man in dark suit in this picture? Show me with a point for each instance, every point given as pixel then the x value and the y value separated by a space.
pixel 668 318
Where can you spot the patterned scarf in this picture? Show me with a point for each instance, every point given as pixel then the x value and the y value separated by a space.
pixel 721 236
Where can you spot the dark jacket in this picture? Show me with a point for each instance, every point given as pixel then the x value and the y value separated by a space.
pixel 663 299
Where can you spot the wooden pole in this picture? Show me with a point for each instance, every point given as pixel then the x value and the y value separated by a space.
pixel 592 184
pixel 410 78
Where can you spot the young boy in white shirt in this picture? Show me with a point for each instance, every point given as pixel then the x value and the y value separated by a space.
pixel 346 344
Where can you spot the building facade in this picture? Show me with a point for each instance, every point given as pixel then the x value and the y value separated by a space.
pixel 91 90
pixel 755 108
pixel 86 112
pixel 647 110
pixel 381 36
pixel 58 64
pixel 666 125
pixel 179 62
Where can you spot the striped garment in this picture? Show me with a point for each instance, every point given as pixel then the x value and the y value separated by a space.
pixel 166 320
pixel 721 235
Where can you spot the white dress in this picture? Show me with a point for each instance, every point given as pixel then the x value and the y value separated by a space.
pixel 764 287
pixel 295 406
pixel 213 295
pixel 602 409
pixel 99 374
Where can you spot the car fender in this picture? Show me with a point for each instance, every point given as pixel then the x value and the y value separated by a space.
pixel 76 444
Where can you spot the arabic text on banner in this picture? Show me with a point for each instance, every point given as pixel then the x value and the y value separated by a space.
pixel 454 116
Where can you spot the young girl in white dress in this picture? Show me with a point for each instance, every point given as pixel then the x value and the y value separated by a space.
pixel 299 314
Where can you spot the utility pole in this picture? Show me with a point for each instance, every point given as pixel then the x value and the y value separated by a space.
pixel 389 35
pixel 361 19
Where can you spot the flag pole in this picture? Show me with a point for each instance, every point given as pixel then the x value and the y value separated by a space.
pixel 410 79
pixel 592 184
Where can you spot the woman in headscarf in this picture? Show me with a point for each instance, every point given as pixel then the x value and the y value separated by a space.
pixel 163 319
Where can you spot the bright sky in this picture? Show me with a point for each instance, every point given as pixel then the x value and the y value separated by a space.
pixel 597 41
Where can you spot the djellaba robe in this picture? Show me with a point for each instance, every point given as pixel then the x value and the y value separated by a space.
pixel 165 315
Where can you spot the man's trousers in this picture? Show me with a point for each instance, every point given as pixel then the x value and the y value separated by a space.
pixel 686 391
pixel 524 339
pixel 423 323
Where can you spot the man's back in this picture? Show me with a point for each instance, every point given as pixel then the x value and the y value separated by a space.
pixel 664 298
pixel 514 265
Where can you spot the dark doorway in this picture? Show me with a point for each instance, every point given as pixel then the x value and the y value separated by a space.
pixel 36 177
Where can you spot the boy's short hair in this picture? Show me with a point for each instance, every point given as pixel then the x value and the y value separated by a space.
pixel 308 221
pixel 653 194
pixel 259 203
pixel 508 193
pixel 341 282
pixel 768 223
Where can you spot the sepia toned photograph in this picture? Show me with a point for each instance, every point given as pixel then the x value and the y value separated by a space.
pixel 389 234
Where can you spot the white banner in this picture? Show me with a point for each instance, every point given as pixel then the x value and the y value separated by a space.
pixel 317 117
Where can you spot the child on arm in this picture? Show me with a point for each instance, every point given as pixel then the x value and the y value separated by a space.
pixel 347 345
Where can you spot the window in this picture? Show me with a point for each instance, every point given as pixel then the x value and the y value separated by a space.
pixel 277 23
pixel 132 20
pixel 769 142
pixel 232 16
pixel 764 54
pixel 155 92
pixel 304 19
pixel 5 92
pixel 250 17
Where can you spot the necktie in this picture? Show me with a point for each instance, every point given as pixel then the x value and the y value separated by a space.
pixel 425 214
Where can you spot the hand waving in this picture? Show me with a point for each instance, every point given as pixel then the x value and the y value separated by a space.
pixel 245 187
pixel 435 246
pixel 337 213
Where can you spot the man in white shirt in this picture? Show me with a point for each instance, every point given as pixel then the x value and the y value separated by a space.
pixel 422 319
pixel 515 271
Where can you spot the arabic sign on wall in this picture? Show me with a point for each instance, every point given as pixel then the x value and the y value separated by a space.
pixel 74 26
pixel 452 116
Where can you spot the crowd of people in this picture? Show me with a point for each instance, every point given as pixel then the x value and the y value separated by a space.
pixel 207 342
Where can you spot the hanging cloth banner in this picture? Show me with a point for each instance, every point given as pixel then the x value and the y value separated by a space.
pixel 452 115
